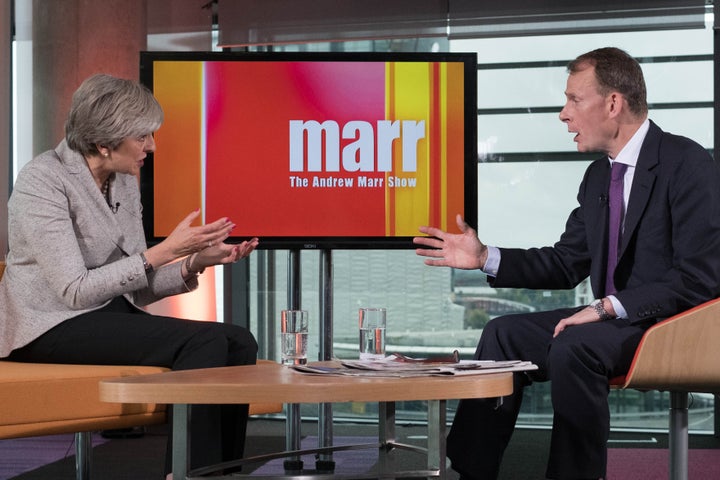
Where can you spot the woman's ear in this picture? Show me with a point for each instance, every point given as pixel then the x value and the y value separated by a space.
pixel 103 150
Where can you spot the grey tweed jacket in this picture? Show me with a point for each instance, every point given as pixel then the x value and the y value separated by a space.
pixel 69 253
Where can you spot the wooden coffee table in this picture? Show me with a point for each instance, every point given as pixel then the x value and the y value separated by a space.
pixel 270 382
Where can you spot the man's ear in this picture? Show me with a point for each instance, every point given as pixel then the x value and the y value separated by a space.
pixel 615 104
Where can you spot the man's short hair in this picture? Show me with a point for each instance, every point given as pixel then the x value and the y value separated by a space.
pixel 616 70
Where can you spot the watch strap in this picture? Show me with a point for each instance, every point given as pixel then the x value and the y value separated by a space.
pixel 597 305
pixel 146 265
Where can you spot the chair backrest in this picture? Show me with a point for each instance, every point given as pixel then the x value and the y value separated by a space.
pixel 680 353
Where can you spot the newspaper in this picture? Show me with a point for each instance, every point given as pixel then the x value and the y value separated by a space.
pixel 392 366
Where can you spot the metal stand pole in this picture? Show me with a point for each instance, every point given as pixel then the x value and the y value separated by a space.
pixel 292 422
pixel 325 461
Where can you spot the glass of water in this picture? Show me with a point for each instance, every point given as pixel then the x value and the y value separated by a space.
pixel 372 333
pixel 294 336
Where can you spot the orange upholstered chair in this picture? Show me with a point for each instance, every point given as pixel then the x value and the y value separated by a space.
pixel 44 399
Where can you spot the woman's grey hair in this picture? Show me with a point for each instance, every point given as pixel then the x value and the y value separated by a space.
pixel 105 110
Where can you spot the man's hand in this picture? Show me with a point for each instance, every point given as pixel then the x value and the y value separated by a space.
pixel 458 250
pixel 586 315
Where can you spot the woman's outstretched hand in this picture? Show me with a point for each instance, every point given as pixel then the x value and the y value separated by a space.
pixel 186 239
pixel 223 253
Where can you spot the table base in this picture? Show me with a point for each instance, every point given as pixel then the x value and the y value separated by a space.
pixel 435 451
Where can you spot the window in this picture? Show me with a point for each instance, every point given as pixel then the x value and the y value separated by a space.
pixel 527 179
pixel 528 176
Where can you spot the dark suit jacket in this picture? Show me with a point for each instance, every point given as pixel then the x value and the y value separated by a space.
pixel 669 259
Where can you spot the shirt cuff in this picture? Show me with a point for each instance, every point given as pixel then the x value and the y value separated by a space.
pixel 492 264
pixel 620 312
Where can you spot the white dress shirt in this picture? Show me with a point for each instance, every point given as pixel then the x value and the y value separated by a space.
pixel 629 156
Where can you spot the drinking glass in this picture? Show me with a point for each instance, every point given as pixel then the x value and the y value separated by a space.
pixel 294 336
pixel 372 333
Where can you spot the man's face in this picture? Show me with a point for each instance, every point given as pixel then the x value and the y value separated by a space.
pixel 587 113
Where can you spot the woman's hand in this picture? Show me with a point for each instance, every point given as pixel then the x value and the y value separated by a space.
pixel 223 253
pixel 186 239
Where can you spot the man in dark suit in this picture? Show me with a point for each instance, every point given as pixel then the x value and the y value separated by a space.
pixel 667 260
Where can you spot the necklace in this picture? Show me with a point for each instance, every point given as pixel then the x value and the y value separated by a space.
pixel 105 189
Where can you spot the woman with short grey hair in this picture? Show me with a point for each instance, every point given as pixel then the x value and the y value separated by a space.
pixel 79 270
pixel 107 110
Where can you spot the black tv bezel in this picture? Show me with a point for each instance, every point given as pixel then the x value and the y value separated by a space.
pixel 328 242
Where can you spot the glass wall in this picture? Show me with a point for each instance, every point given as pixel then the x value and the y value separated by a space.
pixel 529 169
pixel 528 174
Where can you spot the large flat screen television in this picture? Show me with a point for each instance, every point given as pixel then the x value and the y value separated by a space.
pixel 313 150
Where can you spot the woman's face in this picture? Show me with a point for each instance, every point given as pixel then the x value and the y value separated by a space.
pixel 130 155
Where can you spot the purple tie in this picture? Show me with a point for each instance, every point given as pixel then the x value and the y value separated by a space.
pixel 615 201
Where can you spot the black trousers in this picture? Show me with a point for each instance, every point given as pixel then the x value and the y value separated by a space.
pixel 579 363
pixel 121 334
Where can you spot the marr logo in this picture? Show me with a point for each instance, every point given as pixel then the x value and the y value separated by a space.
pixel 358 155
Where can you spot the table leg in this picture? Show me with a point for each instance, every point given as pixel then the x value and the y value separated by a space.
pixel 181 441
pixel 292 437
pixel 437 443
pixel 386 434
pixel 324 461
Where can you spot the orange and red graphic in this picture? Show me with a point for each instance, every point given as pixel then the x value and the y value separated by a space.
pixel 294 148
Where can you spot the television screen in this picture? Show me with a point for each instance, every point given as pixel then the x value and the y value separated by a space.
pixel 313 150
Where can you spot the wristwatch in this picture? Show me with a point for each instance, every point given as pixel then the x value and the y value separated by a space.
pixel 597 305
pixel 146 265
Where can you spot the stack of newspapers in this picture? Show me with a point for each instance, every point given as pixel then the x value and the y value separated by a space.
pixel 396 365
